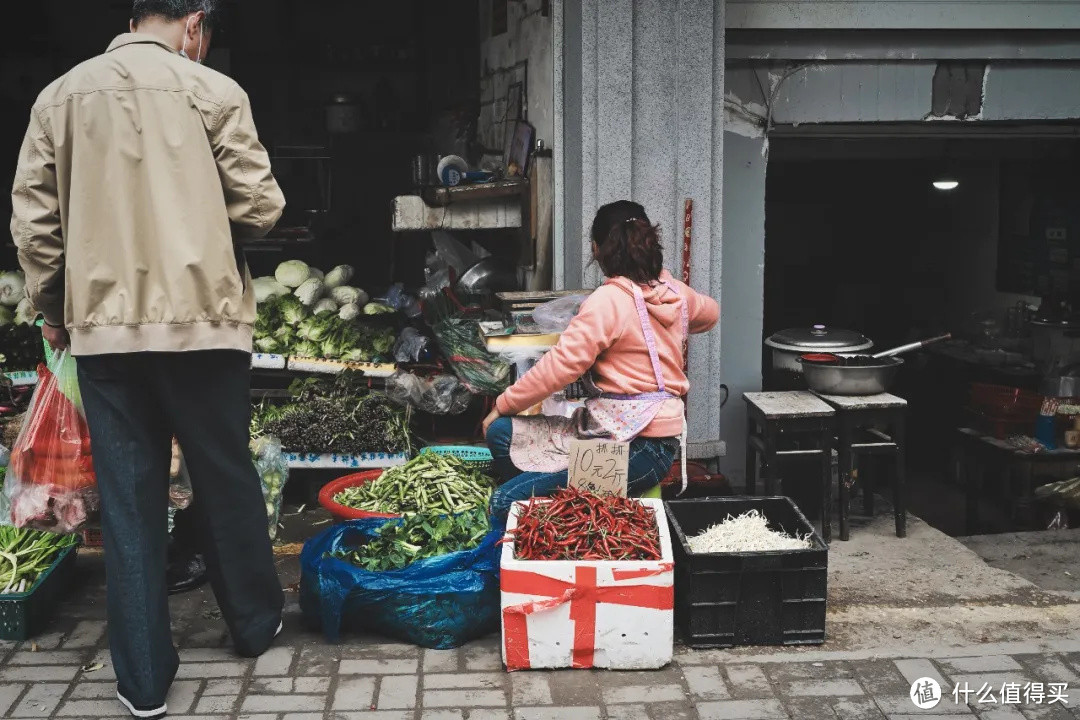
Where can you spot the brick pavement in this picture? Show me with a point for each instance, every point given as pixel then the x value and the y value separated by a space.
pixel 58 676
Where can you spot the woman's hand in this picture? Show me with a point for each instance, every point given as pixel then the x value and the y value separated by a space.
pixel 492 417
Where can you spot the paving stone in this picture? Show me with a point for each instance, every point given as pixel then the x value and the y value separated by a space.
pixel 789 672
pixel 916 669
pixel 453 681
pixel 463 698
pixel 302 716
pixel 105 673
pixel 217 637
pixel 442 715
pixel 742 710
pixel 51 657
pixel 1050 669
pixel 902 705
pixel 401 666
pixel 9 693
pixel 40 700
pixel 380 650
pixel 857 709
pixel 93 691
pixel 398 692
pixel 706 683
pixel 223 705
pixel 994 681
pixel 486 714
pixel 88 708
pixel 45 673
pixel 87 634
pixel 262 686
pixel 354 693
pixel 881 677
pixel 283 703
pixel 484 655
pixel 316 660
pixel 628 712
pixel 373 715
pixel 810 708
pixel 182 695
pixel 275 661
pixel 1049 712
pixel 528 689
pixel 224 687
pixel 188 671
pixel 748 681
pixel 51 641
pixel 1002 713
pixel 823 688
pixel 641 694
pixel 673 711
pixel 983 664
pixel 441 661
pixel 211 654
pixel 557 713
pixel 928 716
pixel 312 685
pixel 575 688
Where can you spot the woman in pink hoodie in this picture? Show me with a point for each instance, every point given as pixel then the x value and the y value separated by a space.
pixel 629 339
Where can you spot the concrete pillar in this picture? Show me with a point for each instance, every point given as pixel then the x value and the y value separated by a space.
pixel 643 118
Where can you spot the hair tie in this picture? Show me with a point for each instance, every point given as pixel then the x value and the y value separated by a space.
pixel 631 220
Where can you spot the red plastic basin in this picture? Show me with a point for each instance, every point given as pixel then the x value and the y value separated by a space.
pixel 340 512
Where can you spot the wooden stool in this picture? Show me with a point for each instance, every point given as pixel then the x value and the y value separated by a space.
pixel 776 419
pixel 855 417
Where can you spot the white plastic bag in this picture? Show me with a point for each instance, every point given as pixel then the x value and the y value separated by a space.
pixel 555 316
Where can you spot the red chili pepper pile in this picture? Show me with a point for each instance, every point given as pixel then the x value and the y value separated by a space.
pixel 575 525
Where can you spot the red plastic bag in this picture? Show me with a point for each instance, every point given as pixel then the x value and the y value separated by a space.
pixel 50 483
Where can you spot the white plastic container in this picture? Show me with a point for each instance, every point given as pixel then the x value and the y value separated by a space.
pixel 615 614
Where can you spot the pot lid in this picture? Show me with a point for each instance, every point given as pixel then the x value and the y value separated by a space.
pixel 819 339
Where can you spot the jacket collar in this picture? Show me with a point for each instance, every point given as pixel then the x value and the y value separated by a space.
pixel 136 39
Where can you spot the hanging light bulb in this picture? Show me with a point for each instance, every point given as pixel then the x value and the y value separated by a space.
pixel 946 184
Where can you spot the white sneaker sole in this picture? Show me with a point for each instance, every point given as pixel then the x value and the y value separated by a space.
pixel 280 627
pixel 155 713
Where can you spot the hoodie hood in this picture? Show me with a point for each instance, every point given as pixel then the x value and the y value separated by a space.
pixel 663 303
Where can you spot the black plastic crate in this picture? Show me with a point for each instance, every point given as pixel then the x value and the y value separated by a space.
pixel 753 598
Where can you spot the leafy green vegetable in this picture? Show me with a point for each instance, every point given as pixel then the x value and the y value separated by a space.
pixel 292 273
pixel 26 554
pixel 399 544
pixel 428 483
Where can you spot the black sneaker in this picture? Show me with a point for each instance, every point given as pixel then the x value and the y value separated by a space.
pixel 185 573
pixel 141 711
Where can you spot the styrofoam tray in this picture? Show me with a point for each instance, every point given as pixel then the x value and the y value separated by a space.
pixel 367 461
pixel 336 367
pixel 267 361
pixel 635 633
pixel 22 378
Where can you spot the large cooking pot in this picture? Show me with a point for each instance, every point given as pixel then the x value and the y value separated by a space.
pixel 789 345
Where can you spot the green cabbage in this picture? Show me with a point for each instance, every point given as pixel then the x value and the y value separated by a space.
pixel 349 311
pixel 12 288
pixel 325 305
pixel 266 288
pixel 344 295
pixel 310 292
pixel 339 276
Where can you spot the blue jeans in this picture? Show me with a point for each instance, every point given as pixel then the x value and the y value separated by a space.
pixel 134 404
pixel 650 462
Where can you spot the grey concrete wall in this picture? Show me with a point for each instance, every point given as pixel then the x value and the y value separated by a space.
pixel 643 117
pixel 523 54
pixel 741 309
pixel 903 14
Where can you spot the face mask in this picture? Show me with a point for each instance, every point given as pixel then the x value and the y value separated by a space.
pixel 183 49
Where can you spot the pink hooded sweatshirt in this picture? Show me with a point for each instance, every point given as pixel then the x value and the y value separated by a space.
pixel 606 336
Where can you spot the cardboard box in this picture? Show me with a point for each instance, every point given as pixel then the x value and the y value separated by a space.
pixel 614 614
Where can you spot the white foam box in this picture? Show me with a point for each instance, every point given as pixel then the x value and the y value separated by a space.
pixel 614 614
pixel 366 461
pixel 336 367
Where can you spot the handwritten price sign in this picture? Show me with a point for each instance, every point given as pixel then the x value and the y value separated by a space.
pixel 599 466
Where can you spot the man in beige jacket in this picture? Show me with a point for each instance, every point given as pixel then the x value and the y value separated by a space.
pixel 140 169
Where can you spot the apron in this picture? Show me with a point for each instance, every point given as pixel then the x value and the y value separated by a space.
pixel 542 444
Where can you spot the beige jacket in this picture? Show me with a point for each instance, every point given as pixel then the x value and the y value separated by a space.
pixel 138 170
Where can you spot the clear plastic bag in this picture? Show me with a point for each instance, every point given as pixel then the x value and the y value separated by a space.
pixel 441 602
pixel 273 474
pixel 555 316
pixel 453 252
pixel 410 345
pixel 441 395
pixel 50 484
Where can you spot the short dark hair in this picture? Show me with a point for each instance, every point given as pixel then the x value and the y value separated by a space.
pixel 627 243
pixel 175 9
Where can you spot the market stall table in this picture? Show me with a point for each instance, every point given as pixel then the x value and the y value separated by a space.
pixel 977 452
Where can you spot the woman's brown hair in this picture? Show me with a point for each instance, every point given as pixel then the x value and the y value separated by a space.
pixel 627 243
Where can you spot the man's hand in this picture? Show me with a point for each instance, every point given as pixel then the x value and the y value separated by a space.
pixel 57 337
pixel 492 417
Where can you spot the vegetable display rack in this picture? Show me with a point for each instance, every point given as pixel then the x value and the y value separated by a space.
pixel 615 614
pixel 24 615
pixel 319 366
pixel 748 598
pixel 364 461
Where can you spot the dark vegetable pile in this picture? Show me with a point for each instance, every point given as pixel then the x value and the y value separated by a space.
pixel 20 347
pixel 399 544
pixel 335 416
pixel 575 525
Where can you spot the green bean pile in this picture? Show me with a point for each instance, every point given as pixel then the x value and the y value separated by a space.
pixel 429 483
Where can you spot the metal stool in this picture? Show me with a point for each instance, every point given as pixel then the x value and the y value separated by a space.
pixel 798 418
pixel 857 435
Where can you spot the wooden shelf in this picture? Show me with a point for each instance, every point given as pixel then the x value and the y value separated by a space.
pixel 485 206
